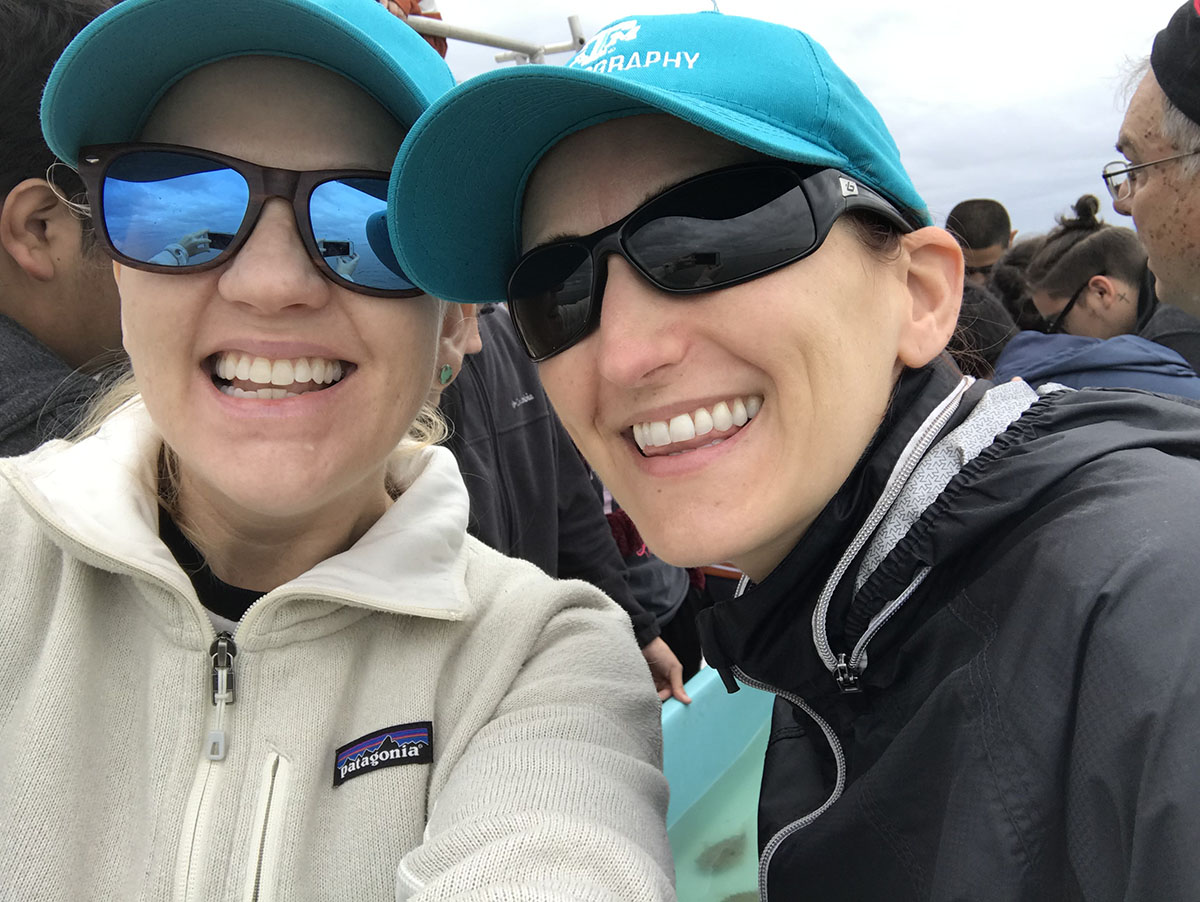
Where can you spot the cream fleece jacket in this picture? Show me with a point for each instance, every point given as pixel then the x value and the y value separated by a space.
pixel 528 693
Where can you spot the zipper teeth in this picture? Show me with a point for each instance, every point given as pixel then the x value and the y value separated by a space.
pixel 262 840
pixel 896 482
pixel 884 616
pixel 839 757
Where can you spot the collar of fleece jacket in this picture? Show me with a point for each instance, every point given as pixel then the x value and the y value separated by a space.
pixel 95 495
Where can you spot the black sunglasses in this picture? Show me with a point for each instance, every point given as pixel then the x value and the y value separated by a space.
pixel 712 231
pixel 1059 322
pixel 171 209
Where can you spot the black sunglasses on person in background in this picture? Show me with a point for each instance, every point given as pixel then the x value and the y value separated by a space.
pixel 1058 323
pixel 712 231
pixel 172 209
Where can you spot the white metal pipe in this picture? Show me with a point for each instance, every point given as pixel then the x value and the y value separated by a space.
pixel 439 29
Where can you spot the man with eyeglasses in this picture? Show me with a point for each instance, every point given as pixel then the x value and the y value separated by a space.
pixel 1158 182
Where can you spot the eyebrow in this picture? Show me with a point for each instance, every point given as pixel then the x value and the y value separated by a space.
pixel 570 236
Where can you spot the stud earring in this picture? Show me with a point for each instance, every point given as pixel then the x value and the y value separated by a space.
pixel 445 374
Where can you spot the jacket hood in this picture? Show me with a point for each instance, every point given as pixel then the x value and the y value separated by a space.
pixel 768 632
pixel 1036 357
pixel 95 499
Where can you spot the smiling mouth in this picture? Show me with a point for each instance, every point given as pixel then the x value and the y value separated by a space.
pixel 243 376
pixel 701 428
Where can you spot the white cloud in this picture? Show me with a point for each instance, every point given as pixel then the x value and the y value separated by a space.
pixel 1019 101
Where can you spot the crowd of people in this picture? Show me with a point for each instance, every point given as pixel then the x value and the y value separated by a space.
pixel 336 519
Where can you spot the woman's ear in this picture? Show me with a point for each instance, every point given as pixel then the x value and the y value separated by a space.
pixel 935 287
pixel 459 337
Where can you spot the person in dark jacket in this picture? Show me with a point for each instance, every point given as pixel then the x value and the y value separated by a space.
pixel 1088 282
pixel 531 493
pixel 974 602
pixel 59 316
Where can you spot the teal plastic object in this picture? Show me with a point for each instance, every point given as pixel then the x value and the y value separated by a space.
pixel 702 740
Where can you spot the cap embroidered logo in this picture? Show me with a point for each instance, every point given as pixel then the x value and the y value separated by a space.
pixel 603 42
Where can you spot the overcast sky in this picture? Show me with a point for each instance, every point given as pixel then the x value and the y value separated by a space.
pixel 1020 101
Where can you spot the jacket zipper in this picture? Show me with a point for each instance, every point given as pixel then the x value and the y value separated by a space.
pixel 261 876
pixel 847 670
pixel 222 651
pixel 839 757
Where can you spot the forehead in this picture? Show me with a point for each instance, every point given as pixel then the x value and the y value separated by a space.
pixel 1141 131
pixel 601 173
pixel 276 111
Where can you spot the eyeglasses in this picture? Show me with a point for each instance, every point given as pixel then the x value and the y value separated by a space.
pixel 171 209
pixel 1117 173
pixel 1058 322
pixel 712 231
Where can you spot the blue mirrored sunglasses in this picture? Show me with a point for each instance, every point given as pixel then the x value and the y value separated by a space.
pixel 168 208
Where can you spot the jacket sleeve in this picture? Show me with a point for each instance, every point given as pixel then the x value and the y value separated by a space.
pixel 560 795
pixel 1133 788
pixel 586 548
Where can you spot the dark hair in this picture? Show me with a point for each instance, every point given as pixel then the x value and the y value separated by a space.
pixel 32 37
pixel 979 223
pixel 1082 247
pixel 1009 283
pixel 984 328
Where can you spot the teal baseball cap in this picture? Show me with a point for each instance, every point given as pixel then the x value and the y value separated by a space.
pixel 768 87
pixel 112 74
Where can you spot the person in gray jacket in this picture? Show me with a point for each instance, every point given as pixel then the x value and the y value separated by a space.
pixel 259 655
pixel 59 320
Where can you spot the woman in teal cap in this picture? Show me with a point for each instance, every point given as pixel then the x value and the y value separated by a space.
pixel 974 603
pixel 252 652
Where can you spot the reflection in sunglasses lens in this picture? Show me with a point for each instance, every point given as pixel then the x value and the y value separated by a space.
pixel 551 296
pixel 160 207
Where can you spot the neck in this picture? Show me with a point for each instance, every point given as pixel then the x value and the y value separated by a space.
pixel 258 551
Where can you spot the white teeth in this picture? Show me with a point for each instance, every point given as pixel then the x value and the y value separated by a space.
pixel 722 418
pixel 260 371
pixel 282 373
pixel 681 428
pixel 739 413
pixel 685 427
pixel 230 365
pixel 263 393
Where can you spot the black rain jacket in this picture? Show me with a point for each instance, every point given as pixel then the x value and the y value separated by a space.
pixel 1027 725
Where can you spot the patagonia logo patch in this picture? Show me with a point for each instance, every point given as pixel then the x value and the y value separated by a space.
pixel 407 743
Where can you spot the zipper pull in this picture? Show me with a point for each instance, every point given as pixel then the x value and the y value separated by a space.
pixel 223 650
pixel 846 676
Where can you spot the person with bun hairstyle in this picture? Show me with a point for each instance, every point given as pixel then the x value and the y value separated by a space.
pixel 1085 282
pixel 973 602
pixel 253 652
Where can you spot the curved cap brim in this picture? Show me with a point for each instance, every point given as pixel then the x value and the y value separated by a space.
pixel 110 77
pixel 491 132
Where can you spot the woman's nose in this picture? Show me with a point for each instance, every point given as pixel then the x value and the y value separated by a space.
pixel 273 270
pixel 642 329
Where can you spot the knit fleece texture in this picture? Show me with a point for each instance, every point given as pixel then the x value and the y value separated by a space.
pixel 545 781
